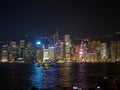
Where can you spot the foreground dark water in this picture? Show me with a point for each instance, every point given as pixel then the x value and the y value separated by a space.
pixel 15 76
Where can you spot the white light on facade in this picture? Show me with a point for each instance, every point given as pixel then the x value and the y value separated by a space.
pixel 80 52
pixel 38 42
pixel 51 47
pixel 67 43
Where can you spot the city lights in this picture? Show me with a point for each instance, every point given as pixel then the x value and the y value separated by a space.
pixel 38 42
pixel 63 50
pixel 60 45
pixel 67 43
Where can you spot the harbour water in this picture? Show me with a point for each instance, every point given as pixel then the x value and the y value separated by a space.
pixel 17 76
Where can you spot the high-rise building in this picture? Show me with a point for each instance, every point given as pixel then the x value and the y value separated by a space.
pixel 13 53
pixel 45 55
pixel 39 51
pixel 67 47
pixel 51 53
pixel 21 49
pixel 67 38
pixel 3 43
pixel 28 53
pixel 104 51
pixel 115 50
pixel 56 46
pixel 39 56
pixel 97 52
pixel 22 44
pixel 4 53
pixel 56 37
pixel 76 52
pixel 12 43
pixel 81 52
pixel 61 46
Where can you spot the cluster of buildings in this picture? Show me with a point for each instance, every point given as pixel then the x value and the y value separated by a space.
pixel 61 50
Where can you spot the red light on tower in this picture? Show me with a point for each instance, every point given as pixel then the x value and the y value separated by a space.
pixel 81 53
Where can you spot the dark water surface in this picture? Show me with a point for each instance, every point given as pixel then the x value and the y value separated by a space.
pixel 15 76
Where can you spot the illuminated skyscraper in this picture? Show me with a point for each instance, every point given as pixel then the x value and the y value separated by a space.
pixel 67 47
pixel 21 49
pixel 76 52
pixel 97 52
pixel 3 43
pixel 4 53
pixel 28 53
pixel 22 44
pixel 61 51
pixel 115 50
pixel 12 44
pixel 104 52
pixel 56 37
pixel 38 51
pixel 45 55
pixel 56 41
pixel 81 52
pixel 51 53
pixel 38 55
pixel 12 51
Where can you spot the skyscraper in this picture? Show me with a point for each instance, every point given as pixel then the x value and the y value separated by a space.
pixel 115 50
pixel 56 41
pixel 22 44
pixel 4 53
pixel 67 47
pixel 104 52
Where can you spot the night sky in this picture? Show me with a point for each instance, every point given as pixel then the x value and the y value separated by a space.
pixel 44 17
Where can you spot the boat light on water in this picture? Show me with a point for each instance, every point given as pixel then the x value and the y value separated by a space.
pixel 98 87
pixel 75 87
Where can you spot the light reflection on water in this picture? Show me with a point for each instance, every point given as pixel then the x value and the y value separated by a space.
pixel 25 76
pixel 43 78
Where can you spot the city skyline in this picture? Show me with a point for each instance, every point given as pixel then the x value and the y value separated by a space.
pixel 66 49
pixel 77 18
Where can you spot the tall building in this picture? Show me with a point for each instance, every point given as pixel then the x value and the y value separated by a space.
pixel 4 53
pixel 12 43
pixel 56 37
pixel 28 53
pixel 98 50
pixel 67 47
pixel 22 44
pixel 81 52
pixel 115 50
pixel 39 56
pixel 104 51
pixel 45 55
pixel 3 43
pixel 21 49
pixel 39 51
pixel 76 52
pixel 12 51
pixel 61 50
pixel 56 41
pixel 51 53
